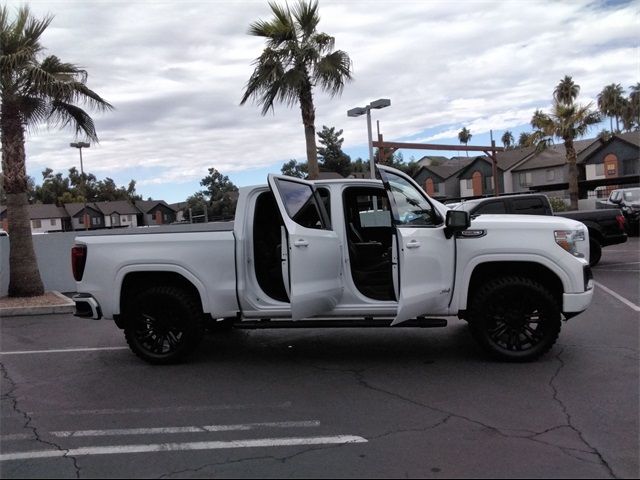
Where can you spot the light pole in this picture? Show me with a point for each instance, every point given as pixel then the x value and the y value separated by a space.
pixel 80 146
pixel 356 112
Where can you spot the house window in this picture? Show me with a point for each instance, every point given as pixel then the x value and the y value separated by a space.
pixel 551 175
pixel 95 221
pixel 81 220
pixel 54 221
pixel 469 184
pixel 36 223
pixel 524 179
pixel 599 169
pixel 488 183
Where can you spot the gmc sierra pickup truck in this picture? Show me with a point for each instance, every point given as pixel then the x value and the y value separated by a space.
pixel 606 227
pixel 339 253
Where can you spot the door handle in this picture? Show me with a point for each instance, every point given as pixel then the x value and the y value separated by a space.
pixel 413 244
pixel 301 243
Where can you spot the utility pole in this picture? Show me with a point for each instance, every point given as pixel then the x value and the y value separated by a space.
pixel 80 146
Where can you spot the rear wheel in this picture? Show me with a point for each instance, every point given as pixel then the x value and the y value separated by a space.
pixel 514 318
pixel 163 324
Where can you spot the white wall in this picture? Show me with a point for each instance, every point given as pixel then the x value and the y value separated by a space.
pixel 591 172
pixel 47 225
pixel 464 191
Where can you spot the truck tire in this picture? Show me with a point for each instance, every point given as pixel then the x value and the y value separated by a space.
pixel 514 319
pixel 595 251
pixel 163 324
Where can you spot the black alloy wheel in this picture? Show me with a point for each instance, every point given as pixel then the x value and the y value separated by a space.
pixel 515 319
pixel 164 325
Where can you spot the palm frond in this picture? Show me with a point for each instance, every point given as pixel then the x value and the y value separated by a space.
pixel 64 114
pixel 333 71
pixel 306 14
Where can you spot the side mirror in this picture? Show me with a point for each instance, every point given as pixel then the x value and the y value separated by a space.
pixel 457 221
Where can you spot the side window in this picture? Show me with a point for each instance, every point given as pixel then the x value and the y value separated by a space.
pixel 491 208
pixel 528 206
pixel 325 198
pixel 300 203
pixel 412 208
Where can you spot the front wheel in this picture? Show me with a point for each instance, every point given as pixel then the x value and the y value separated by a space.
pixel 595 251
pixel 515 319
pixel 163 325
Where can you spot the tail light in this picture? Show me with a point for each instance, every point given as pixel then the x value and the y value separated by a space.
pixel 621 222
pixel 78 260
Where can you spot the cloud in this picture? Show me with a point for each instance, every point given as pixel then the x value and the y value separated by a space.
pixel 175 72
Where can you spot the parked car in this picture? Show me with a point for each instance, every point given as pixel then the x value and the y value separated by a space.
pixel 336 253
pixel 606 227
pixel 628 200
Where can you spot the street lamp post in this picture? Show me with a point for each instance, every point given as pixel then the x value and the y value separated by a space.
pixel 358 111
pixel 80 146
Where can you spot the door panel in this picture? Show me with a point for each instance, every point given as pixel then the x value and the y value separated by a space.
pixel 313 252
pixel 426 257
pixel 426 272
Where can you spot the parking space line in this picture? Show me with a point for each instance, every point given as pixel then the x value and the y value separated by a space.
pixel 189 429
pixel 171 447
pixel 65 350
pixel 618 297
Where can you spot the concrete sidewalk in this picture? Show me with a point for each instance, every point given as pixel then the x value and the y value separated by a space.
pixel 55 303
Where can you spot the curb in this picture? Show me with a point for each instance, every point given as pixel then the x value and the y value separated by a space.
pixel 66 306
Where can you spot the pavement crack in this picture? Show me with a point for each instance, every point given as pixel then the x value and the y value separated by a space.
pixel 28 420
pixel 180 473
pixel 570 424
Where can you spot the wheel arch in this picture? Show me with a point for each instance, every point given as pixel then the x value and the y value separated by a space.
pixel 484 271
pixel 131 281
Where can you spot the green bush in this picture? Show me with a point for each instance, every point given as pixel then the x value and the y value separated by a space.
pixel 558 204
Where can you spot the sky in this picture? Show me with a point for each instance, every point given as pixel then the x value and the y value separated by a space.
pixel 175 72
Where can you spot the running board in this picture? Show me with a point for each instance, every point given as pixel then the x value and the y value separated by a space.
pixel 421 322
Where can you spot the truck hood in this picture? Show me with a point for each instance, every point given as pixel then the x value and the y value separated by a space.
pixel 525 222
pixel 531 228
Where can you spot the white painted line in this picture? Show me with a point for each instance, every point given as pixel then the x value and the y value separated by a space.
pixel 16 436
pixel 153 410
pixel 66 350
pixel 618 297
pixel 189 429
pixel 173 447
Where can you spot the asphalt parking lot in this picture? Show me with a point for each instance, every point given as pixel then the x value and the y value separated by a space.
pixel 328 403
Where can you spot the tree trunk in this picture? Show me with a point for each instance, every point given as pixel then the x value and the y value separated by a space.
pixel 573 172
pixel 308 119
pixel 24 276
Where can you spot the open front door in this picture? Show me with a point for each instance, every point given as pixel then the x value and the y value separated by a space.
pixel 312 250
pixel 426 257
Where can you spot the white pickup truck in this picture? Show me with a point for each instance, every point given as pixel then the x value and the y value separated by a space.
pixel 339 253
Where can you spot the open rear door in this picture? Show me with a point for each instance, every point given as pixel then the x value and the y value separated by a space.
pixel 314 255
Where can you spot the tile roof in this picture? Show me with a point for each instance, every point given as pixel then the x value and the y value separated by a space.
pixel 449 168
pixel 145 206
pixel 74 208
pixel 509 158
pixel 39 211
pixel 122 207
pixel 553 156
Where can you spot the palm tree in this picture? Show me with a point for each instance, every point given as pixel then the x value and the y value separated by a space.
pixel 566 91
pixel 566 122
pixel 296 59
pixel 507 139
pixel 634 101
pixel 33 92
pixel 611 102
pixel 465 136
pixel 524 140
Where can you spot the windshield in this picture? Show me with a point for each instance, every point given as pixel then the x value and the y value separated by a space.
pixel 632 195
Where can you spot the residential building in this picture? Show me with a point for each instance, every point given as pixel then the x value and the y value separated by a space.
pixel 48 218
pixel 476 179
pixel 118 214
pixel 78 215
pixel 155 212
pixel 441 181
